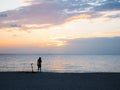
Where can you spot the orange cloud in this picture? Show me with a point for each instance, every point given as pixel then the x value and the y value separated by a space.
pixel 81 16
pixel 36 26
pixel 112 33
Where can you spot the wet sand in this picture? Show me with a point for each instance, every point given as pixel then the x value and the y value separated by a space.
pixel 59 81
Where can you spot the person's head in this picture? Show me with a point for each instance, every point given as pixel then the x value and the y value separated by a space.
pixel 39 57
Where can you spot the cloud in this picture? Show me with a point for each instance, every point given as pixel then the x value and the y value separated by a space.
pixel 56 12
pixel 108 5
pixel 81 16
pixel 45 13
pixel 3 15
pixel 114 16
pixel 93 46
pixel 105 45
pixel 15 25
pixel 112 33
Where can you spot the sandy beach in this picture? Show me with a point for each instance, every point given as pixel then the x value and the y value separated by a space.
pixel 59 81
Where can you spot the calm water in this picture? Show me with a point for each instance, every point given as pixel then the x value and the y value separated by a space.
pixel 61 63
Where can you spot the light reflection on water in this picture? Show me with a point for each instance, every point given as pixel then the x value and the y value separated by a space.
pixel 61 63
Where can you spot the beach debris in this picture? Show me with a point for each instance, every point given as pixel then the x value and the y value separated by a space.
pixel 32 67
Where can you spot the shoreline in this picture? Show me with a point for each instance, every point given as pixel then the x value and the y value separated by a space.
pixel 59 72
pixel 59 81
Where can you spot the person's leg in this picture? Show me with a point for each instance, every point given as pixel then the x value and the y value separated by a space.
pixel 38 68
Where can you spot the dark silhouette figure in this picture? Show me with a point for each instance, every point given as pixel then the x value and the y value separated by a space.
pixel 39 61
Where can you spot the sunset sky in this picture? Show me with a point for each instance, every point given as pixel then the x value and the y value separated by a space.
pixel 60 26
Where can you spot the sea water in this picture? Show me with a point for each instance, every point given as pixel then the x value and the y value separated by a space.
pixel 60 63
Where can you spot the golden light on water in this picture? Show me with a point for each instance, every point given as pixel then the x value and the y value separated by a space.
pixel 57 65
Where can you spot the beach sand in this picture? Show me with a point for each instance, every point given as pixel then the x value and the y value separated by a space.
pixel 59 81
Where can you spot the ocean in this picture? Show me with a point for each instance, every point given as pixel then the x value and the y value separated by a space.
pixel 60 63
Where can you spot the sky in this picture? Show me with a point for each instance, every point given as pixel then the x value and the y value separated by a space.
pixel 60 26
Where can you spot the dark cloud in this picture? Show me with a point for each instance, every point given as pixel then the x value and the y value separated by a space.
pixel 93 46
pixel 108 5
pixel 114 16
pixel 15 25
pixel 91 7
pixel 3 15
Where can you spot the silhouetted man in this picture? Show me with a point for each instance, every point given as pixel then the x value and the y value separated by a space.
pixel 39 64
